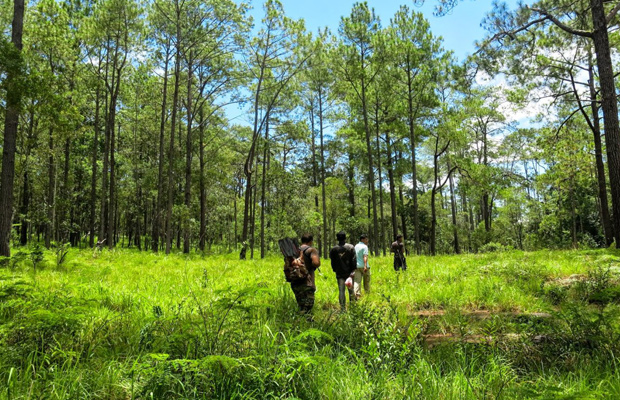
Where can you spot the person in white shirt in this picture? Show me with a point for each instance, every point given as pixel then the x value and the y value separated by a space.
pixel 362 272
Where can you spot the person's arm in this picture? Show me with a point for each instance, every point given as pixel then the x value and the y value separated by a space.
pixel 366 260
pixel 316 261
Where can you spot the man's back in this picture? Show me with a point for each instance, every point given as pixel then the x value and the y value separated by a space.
pixel 343 259
pixel 361 250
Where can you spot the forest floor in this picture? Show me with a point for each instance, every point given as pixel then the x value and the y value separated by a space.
pixel 124 324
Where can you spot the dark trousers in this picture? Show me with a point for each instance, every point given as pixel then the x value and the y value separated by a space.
pixel 304 295
pixel 400 262
pixel 342 297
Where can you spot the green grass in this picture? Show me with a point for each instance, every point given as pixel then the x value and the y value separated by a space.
pixel 123 324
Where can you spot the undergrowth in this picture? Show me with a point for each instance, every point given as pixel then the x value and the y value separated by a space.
pixel 128 325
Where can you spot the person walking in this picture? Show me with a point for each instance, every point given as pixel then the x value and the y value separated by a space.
pixel 362 272
pixel 304 290
pixel 343 262
pixel 398 248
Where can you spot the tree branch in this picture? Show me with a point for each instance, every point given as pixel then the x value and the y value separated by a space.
pixel 612 13
pixel 562 25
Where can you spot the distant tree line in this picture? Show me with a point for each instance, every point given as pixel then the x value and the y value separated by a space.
pixel 177 124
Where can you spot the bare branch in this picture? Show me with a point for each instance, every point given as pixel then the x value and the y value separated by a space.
pixel 612 13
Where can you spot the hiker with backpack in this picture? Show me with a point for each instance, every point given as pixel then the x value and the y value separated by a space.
pixel 398 248
pixel 299 266
pixel 342 258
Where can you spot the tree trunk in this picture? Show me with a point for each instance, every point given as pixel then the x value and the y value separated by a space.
pixel 382 222
pixel 173 124
pixel 188 155
pixel 93 178
pixel 23 237
pixel 390 167
pixel 571 194
pixel 11 120
pixel 323 199
pixel 315 180
pixel 371 173
pixel 263 187
pixel 253 213
pixel 433 201
pixel 609 104
pixel 25 203
pixel 457 247
pixel 606 222
pixel 203 188
pixel 414 174
pixel 160 174
pixel 351 186
pixel 112 201
pixel 66 194
pixel 51 191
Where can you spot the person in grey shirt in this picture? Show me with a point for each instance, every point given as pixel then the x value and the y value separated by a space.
pixel 362 272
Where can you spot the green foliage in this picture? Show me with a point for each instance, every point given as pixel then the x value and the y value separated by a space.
pixel 473 326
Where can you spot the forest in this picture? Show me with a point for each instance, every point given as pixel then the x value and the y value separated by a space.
pixel 154 152
pixel 185 125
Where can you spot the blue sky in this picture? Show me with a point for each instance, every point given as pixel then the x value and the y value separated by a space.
pixel 459 29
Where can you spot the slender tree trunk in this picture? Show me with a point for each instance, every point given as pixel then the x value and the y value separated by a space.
pixel 263 187
pixel 486 215
pixel 104 183
pixel 323 200
pixel 403 219
pixel 457 247
pixel 66 194
pixel 414 174
pixel 25 201
pixel 382 222
pixel 93 179
pixel 571 194
pixel 203 188
pixel 401 207
pixel 171 155
pixel 11 120
pixel 249 164
pixel 315 180
pixel 433 201
pixel 351 187
pixel 188 155
pixel 253 213
pixel 235 211
pixel 112 123
pixel 160 174
pixel 371 172
pixel 23 237
pixel 51 191
pixel 390 167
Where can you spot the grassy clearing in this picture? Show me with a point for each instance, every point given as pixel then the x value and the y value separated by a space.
pixel 123 324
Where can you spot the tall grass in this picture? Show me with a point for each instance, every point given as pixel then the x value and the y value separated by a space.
pixel 124 324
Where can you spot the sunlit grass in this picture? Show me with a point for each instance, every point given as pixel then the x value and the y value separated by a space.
pixel 124 324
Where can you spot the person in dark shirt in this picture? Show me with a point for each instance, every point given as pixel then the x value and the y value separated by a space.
pixel 304 290
pixel 398 248
pixel 342 258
